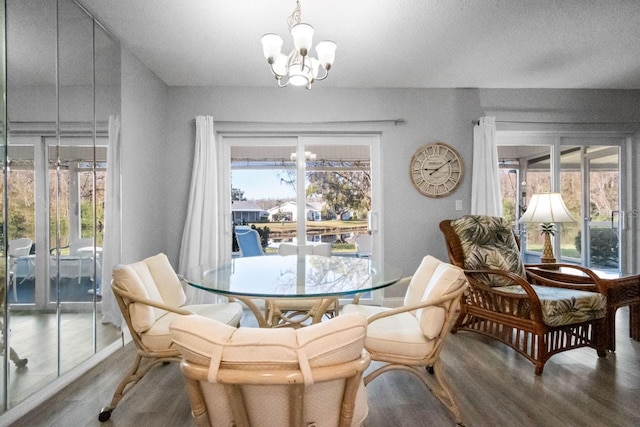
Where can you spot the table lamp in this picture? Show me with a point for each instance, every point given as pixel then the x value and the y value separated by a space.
pixel 547 209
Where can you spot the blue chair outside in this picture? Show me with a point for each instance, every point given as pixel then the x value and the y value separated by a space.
pixel 248 241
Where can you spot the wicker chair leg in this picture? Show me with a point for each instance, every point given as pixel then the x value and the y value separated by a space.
pixel 442 391
pixel 131 378
pixel 439 388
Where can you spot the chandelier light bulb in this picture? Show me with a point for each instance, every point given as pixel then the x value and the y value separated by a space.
pixel 280 65
pixel 298 68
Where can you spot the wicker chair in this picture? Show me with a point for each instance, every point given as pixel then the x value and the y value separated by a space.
pixel 274 377
pixel 515 303
pixel 411 337
pixel 150 296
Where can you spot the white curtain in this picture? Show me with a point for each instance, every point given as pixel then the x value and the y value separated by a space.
pixel 200 239
pixel 485 180
pixel 112 237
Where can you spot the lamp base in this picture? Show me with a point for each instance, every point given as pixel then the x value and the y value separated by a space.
pixel 547 251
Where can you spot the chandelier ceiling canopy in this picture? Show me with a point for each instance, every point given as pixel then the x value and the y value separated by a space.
pixel 298 68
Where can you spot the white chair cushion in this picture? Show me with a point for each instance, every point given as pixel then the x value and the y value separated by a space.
pixel 135 278
pixel 166 280
pixel 335 341
pixel 158 336
pixel 445 279
pixel 420 280
pixel 399 335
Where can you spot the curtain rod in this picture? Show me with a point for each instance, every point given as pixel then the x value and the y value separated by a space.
pixel 475 122
pixel 242 122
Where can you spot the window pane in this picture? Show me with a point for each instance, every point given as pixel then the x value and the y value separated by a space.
pixel 338 194
pixel 263 192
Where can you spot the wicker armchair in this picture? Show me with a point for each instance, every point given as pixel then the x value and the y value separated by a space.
pixel 262 377
pixel 150 296
pixel 516 304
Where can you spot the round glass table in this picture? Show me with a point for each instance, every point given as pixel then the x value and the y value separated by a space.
pixel 293 277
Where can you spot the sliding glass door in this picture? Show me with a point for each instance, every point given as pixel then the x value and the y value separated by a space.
pixel 586 170
pixel 593 173
pixel 302 189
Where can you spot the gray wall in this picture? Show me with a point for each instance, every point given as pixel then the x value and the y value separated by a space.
pixel 143 174
pixel 159 195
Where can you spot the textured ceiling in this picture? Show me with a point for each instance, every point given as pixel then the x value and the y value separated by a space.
pixel 390 43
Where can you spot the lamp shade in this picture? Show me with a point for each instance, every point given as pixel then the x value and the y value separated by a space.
pixel 302 37
pixel 271 45
pixel 546 207
pixel 326 53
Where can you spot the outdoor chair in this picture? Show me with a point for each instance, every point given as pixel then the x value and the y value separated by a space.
pixel 515 303
pixel 150 296
pixel 248 241
pixel 79 252
pixel 18 248
pixel 274 377
pixel 364 246
pixel 410 338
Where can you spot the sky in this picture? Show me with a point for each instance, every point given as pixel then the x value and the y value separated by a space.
pixel 261 184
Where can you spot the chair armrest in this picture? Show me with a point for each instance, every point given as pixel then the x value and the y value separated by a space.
pixel 542 275
pixel 493 298
pixel 134 298
pixel 406 308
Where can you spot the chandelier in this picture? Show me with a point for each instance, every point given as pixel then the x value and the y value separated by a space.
pixel 298 68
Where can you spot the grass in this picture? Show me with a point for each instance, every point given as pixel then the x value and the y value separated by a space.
pixel 567 250
pixel 329 227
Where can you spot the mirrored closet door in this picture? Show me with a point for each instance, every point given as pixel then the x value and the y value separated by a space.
pixel 63 91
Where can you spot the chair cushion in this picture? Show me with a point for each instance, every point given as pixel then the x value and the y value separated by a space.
pixel 166 280
pixel 158 336
pixel 326 343
pixel 420 280
pixel 488 243
pixel 446 279
pixel 432 280
pixel 154 279
pixel 399 336
pixel 565 306
pixel 332 342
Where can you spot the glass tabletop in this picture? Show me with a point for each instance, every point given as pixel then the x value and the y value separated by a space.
pixel 294 276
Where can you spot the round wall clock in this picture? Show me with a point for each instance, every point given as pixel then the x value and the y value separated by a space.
pixel 436 169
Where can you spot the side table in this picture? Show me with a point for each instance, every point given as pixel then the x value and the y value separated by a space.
pixel 620 292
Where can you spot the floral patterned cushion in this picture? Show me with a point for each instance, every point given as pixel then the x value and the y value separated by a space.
pixel 488 243
pixel 564 306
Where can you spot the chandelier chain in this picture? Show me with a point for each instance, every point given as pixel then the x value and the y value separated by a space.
pixel 296 16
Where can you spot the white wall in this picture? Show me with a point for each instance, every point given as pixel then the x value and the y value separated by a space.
pixel 155 202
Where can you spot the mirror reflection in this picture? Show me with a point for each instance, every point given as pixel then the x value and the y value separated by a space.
pixel 63 90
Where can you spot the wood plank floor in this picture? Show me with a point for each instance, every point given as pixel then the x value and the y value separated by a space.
pixel 494 387
pixel 34 336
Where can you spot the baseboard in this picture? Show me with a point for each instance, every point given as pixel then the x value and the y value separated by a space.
pixel 32 402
